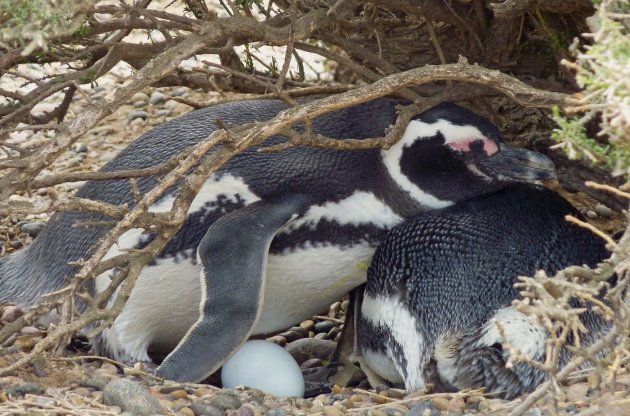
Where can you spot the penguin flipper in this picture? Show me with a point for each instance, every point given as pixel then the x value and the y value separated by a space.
pixel 233 254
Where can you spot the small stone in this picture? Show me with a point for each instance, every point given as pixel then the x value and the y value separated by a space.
pixel 291 336
pixel 334 309
pixel 138 114
pixel 277 412
pixel 248 410
pixel 441 403
pixel 323 326
pixel 456 404
pixel 333 332
pixel 308 325
pixel 11 313
pixel 424 409
pixel 139 96
pixel 24 388
pixel 80 148
pixel 32 331
pixel 109 368
pixel 163 113
pixel 156 98
pixel 332 411
pixel 178 92
pixel 576 392
pixel 42 192
pixel 603 210
pixel 204 408
pixel 26 342
pixel 179 394
pixel 225 401
pixel 33 228
pixel 311 363
pixel 131 397
pixel 322 336
pixel 282 341
pixel 136 123
pixel 73 162
pixel 185 411
pixel 139 104
pixel 96 381
pixel 307 348
pixel 303 332
pixel 591 214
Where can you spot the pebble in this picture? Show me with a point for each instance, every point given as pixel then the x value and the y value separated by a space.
pixel 136 122
pixel 309 348
pixel 32 331
pixel 225 400
pixel 156 98
pixel 323 326
pixel 322 336
pixel 178 92
pixel 424 409
pixel 332 411
pixel 185 411
pixel 456 404
pixel 591 214
pixel 291 336
pixel 277 412
pixel 24 388
pixel 603 210
pixel 163 113
pixel 109 368
pixel 204 408
pixel 139 96
pixel 33 228
pixel 139 104
pixel 80 148
pixel 131 397
pixel 138 114
pixel 11 313
pixel 95 381
pixel 26 342
pixel 308 325
pixel 277 339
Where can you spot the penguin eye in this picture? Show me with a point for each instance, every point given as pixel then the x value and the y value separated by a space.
pixel 467 144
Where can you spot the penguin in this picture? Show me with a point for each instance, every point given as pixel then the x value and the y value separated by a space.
pixel 441 285
pixel 271 238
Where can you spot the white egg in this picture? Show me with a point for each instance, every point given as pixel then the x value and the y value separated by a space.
pixel 264 366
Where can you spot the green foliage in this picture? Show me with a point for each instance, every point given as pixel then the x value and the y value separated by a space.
pixel 603 70
pixel 31 23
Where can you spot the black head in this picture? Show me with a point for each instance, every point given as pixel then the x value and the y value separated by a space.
pixel 449 154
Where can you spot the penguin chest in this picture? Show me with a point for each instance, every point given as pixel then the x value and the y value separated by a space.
pixel 304 282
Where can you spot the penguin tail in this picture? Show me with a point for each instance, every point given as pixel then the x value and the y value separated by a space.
pixel 487 367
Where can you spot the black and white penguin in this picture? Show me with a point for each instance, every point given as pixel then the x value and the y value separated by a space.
pixel 275 237
pixel 441 285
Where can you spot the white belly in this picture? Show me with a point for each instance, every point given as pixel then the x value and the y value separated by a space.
pixel 165 301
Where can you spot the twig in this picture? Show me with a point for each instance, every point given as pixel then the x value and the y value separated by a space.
pixel 593 229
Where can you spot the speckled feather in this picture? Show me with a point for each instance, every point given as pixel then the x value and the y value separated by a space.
pixel 454 268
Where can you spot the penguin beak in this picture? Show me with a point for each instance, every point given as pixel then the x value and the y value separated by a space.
pixel 520 165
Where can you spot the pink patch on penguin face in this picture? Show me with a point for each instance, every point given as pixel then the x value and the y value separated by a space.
pixel 463 145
